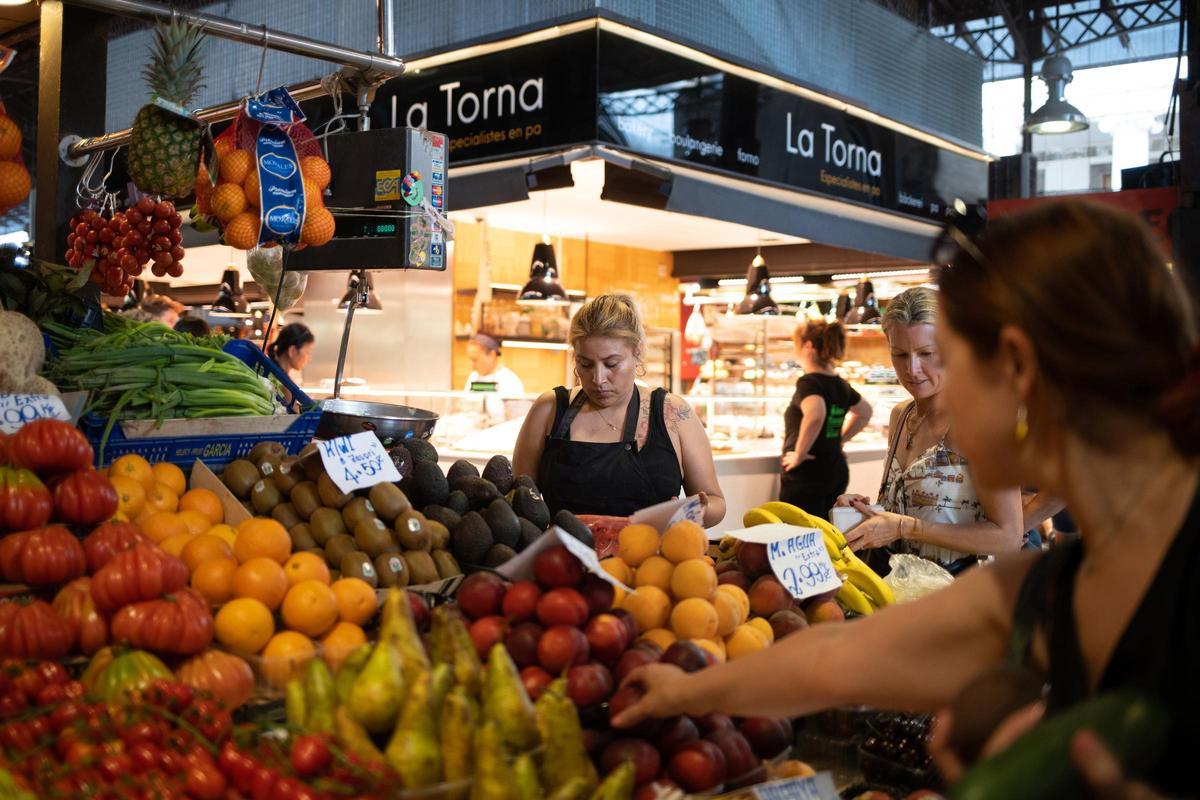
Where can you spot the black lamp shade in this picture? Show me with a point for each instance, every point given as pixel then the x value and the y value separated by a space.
pixel 229 296
pixel 543 276
pixel 758 290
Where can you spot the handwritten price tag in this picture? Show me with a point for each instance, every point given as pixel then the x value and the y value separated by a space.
pixel 802 564
pixel 692 510
pixel 18 409
pixel 586 554
pixel 357 462
pixel 815 787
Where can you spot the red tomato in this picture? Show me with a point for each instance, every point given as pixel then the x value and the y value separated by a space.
pixel 179 623
pixel 108 539
pixel 85 498
pixel 310 755
pixel 50 555
pixel 24 500
pixel 50 447
pixel 143 572
pixel 145 756
pixel 225 676
pixel 74 602
pixel 205 781
pixel 34 630
pixel 52 694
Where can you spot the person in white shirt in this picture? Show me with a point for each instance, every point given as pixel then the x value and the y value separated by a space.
pixel 489 375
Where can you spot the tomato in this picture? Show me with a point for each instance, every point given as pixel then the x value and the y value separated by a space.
pixel 24 500
pixel 237 766
pixel 65 715
pixel 115 766
pixel 263 783
pixel 310 755
pixel 143 572
pixel 205 781
pixel 42 556
pixel 50 447
pixel 53 672
pixel 34 630
pixel 40 728
pixel 16 736
pixel 125 674
pixel 85 498
pixel 74 603
pixel 179 623
pixel 143 731
pixel 144 757
pixel 74 690
pixel 207 716
pixel 52 694
pixel 225 676
pixel 109 539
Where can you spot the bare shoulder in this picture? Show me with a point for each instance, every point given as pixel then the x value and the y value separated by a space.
pixel 676 411
pixel 541 413
pixel 898 411
pixel 1005 575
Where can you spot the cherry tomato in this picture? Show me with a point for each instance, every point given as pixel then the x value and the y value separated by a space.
pixel 145 756
pixel 29 682
pixel 115 766
pixel 310 755
pixel 40 728
pixel 81 230
pixel 134 239
pixel 79 752
pixel 53 672
pixel 52 694
pixel 143 731
pixel 205 782
pixel 12 703
pixel 105 235
pixel 175 236
pixel 263 784
pixel 146 204
pixel 161 227
pixel 164 209
pixel 65 715
pixel 16 736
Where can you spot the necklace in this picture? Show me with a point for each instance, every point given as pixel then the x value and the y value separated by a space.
pixel 912 431
pixel 603 418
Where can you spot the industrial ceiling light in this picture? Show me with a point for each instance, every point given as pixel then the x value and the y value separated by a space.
pixel 230 297
pixel 1057 115
pixel 360 292
pixel 758 289
pixel 543 285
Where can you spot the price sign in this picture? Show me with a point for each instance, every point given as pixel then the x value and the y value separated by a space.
pixel 18 409
pixel 586 554
pixel 802 564
pixel 357 461
pixel 691 510
pixel 814 787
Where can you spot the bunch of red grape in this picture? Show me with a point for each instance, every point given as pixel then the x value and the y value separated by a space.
pixel 119 246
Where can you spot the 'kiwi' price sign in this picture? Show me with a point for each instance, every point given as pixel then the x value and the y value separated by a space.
pixel 357 461
pixel 802 564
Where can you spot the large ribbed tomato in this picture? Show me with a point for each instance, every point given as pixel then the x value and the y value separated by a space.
pixel 143 572
pixel 108 540
pixel 33 630
pixel 114 675
pixel 85 498
pixel 74 603
pixel 50 447
pixel 226 676
pixel 43 556
pixel 24 500
pixel 179 623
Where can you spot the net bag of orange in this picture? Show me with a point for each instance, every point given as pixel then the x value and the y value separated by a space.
pixel 15 182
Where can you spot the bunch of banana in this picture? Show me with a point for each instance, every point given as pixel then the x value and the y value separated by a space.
pixel 862 590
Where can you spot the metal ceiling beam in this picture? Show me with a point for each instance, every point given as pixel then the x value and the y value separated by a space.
pixel 1015 30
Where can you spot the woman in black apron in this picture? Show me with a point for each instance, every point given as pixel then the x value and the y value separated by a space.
pixel 614 447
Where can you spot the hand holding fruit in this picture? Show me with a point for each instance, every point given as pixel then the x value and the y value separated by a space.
pixel 665 693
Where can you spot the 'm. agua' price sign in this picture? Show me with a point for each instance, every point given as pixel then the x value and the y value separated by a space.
pixel 802 564
pixel 357 461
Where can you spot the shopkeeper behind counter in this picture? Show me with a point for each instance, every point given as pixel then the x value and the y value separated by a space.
pixel 489 375
pixel 615 447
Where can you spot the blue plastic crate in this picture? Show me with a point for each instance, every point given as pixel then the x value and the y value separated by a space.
pixel 253 357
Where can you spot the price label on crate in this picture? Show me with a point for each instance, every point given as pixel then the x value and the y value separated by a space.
pixel 814 787
pixel 357 461
pixel 802 564
pixel 18 409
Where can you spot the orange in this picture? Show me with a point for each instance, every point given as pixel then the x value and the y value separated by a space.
pixel 195 522
pixel 262 537
pixel 214 579
pixel 203 188
pixel 342 640
pixel 206 502
pixel 10 140
pixel 235 166
pixel 161 498
pixel 744 640
pixel 738 595
pixel 175 544
pixel 204 547
pixel 251 191
pixel 313 199
pixel 262 579
pixel 244 625
pixel 135 467
pixel 318 226
pixel 225 532
pixel 654 571
pixel 284 657
pixel 228 201
pixel 636 543
pixel 356 601
pixel 693 578
pixel 683 540
pixel 694 618
pixel 660 636
pixel 310 607
pixel 131 495
pixel 15 184
pixel 171 476
pixel 315 169
pixel 242 230
pixel 306 566
pixel 161 524
pixel 650 607
pixel 729 613
pixel 224 146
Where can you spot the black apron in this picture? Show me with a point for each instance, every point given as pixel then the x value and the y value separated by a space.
pixel 608 478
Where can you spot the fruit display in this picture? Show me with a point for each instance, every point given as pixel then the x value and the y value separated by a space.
pixel 117 247
pixel 15 181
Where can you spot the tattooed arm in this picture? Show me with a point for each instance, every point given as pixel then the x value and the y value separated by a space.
pixel 695 457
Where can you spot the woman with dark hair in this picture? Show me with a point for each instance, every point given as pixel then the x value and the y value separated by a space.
pixel 292 349
pixel 1098 409
pixel 825 413
pixel 193 326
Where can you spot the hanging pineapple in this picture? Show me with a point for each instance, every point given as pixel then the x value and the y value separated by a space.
pixel 164 145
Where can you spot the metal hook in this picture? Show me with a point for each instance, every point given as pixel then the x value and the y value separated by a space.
pixel 262 62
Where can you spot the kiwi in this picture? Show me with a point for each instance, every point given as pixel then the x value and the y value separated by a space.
pixel 264 497
pixel 447 567
pixel 268 467
pixel 305 499
pixel 529 534
pixel 389 501
pixel 457 502
pixel 338 546
pixel 285 514
pixel 497 554
pixel 392 570
pixel 421 569
pixel 239 477
pixel 499 472
pixel 572 525
pixel 331 496
pixel 267 450
pixel 421 450
pixel 506 529
pixel 356 511
pixel 286 478
pixel 471 540
pixel 313 466
pixel 302 538
pixel 526 481
pixel 436 513
pixel 429 485
pixel 439 534
pixel 373 537
pixel 461 469
pixel 356 564
pixel 412 531
pixel 478 491
pixel 528 503
pixel 325 524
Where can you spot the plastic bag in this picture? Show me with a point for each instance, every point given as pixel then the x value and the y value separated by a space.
pixel 605 531
pixel 266 265
pixel 913 577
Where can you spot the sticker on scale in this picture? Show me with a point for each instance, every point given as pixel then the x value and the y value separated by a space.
pixel 437 178
pixel 357 461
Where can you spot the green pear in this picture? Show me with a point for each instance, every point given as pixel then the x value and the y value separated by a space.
pixel 378 691
pixel 348 672
pixel 353 737
pixel 442 681
pixel 398 627
pixel 565 757
pixel 458 719
pixel 493 776
pixel 618 785
pixel 574 789
pixel 450 643
pixel 525 778
pixel 319 696
pixel 506 703
pixel 414 751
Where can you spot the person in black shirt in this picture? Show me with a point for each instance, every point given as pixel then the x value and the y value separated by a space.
pixel 825 413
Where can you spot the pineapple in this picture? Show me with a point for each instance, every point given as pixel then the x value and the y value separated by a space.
pixel 164 147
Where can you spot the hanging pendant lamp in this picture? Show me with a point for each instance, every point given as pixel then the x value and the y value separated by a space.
pixel 543 285
pixel 1057 115
pixel 758 290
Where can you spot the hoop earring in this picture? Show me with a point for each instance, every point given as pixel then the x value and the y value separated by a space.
pixel 640 370
pixel 1022 423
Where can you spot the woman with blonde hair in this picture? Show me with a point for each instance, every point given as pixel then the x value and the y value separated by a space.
pixel 615 447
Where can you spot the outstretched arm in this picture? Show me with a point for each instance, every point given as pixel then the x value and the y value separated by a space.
pixel 695 457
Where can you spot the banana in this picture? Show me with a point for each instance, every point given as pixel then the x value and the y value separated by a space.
pixel 759 516
pixel 871 584
pixel 853 599
pixel 793 515
pixel 835 555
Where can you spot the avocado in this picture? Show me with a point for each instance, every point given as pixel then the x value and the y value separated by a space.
pixel 528 503
pixel 447 567
pixel 439 534
pixel 356 564
pixel 239 477
pixel 446 516
pixel 506 529
pixel 285 514
pixel 373 537
pixel 529 534
pixel 286 478
pixel 420 568
pixel 331 496
pixel 499 472
pixel 478 491
pixel 389 501
pixel 302 538
pixel 392 570
pixel 526 481
pixel 403 461
pixel 264 497
pixel 429 485
pixel 412 531
pixel 572 525
pixel 305 499
pixel 356 511
pixel 325 523
pixel 498 554
pixel 471 540
pixel 421 450
pixel 337 547
pixel 457 502
pixel 461 469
